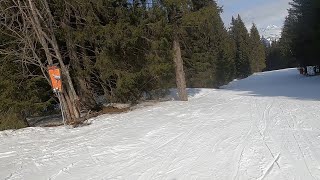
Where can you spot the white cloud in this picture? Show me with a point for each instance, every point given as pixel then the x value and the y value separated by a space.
pixel 262 13
pixel 266 14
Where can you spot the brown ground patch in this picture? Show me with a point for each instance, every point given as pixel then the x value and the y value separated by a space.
pixel 114 110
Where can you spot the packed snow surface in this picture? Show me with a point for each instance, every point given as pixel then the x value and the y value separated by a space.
pixel 264 127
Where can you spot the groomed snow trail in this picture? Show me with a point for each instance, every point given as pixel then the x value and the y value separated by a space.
pixel 264 127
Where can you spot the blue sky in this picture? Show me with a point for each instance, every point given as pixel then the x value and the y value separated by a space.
pixel 262 12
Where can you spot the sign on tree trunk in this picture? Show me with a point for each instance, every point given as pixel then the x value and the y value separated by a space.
pixel 55 77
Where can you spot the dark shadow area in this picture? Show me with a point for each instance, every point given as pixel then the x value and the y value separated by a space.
pixel 282 83
pixel 43 121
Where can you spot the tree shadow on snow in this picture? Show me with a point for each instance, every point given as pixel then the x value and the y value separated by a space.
pixel 282 83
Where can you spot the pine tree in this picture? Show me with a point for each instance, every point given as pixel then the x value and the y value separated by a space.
pixel 300 37
pixel 275 59
pixel 207 47
pixel 257 51
pixel 119 49
pixel 176 9
pixel 240 35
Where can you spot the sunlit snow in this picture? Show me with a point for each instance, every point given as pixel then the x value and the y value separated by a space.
pixel 264 127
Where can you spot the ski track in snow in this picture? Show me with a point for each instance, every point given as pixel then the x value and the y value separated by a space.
pixel 264 127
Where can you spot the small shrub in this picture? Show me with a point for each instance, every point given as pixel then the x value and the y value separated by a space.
pixel 12 121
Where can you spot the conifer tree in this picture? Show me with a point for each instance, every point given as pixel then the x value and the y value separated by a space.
pixel 240 35
pixel 300 38
pixel 176 9
pixel 207 48
pixel 275 58
pixel 117 49
pixel 257 51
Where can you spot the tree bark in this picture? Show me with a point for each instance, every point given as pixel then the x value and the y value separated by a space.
pixel 180 75
pixel 65 107
pixel 73 97
pixel 35 22
pixel 47 37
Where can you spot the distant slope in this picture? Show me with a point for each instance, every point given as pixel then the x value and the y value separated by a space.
pixel 286 83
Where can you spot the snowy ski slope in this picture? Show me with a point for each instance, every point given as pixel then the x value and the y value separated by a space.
pixel 264 127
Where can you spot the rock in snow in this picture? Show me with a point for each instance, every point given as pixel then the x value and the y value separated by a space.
pixel 264 127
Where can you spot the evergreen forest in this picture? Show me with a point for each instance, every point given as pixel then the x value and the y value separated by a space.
pixel 300 38
pixel 130 51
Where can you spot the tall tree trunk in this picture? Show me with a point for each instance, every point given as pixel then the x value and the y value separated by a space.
pixel 180 75
pixel 47 38
pixel 70 91
pixel 73 97
pixel 35 25
pixel 83 88
pixel 65 107
pixel 87 98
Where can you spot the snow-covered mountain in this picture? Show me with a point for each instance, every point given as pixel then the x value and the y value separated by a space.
pixel 271 33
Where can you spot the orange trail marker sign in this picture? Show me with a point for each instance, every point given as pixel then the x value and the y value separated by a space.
pixel 56 82
pixel 55 77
